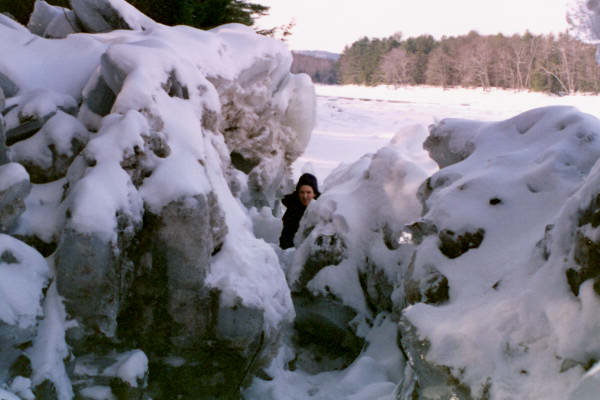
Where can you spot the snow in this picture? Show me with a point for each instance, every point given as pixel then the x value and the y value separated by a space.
pixel 58 132
pixel 356 120
pixel 103 191
pixel 22 386
pixel 12 173
pixel 98 393
pixel 373 376
pixel 50 348
pixel 5 395
pixel 131 367
pixel 67 64
pixel 135 19
pixel 589 387
pixel 509 309
pixel 23 275
pixel 43 216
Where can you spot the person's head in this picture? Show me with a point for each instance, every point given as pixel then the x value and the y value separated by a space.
pixel 307 188
pixel 306 194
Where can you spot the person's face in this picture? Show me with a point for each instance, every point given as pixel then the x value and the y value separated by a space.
pixel 306 194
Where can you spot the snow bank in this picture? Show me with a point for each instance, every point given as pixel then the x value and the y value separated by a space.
pixel 505 210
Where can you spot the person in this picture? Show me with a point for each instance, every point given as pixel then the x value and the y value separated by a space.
pixel 307 189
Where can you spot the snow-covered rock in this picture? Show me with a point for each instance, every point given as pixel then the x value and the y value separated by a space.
pixel 14 188
pixel 132 139
pixel 510 228
pixel 48 153
pixel 52 21
pixel 108 15
pixel 24 276
pixel 348 255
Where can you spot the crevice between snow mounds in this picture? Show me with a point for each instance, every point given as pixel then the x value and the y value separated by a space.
pixel 509 226
pixel 349 256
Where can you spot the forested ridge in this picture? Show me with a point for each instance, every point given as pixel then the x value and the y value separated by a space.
pixel 559 64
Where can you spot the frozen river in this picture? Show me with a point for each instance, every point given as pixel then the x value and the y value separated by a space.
pixel 355 120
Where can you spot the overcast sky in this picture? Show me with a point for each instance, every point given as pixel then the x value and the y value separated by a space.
pixel 332 24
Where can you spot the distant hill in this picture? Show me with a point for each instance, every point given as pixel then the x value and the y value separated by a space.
pixel 319 54
pixel 320 65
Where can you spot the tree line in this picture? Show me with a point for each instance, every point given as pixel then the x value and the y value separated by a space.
pixel 558 64
pixel 321 70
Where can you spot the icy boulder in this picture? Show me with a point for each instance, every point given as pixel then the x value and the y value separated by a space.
pixel 23 278
pixel 349 252
pixel 28 113
pixel 108 15
pixel 268 116
pixel 48 153
pixel 116 375
pixel 510 230
pixel 52 21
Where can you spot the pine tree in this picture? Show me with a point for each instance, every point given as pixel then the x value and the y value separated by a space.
pixel 204 14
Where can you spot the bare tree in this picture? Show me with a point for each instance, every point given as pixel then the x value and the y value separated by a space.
pixel 583 17
pixel 475 57
pixel 441 68
pixel 522 52
pixel 398 67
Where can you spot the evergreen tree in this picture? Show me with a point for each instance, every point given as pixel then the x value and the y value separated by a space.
pixel 204 14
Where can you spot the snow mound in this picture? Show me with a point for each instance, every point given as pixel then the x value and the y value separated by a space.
pixel 508 231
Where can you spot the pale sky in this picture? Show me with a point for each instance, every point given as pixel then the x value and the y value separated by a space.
pixel 332 24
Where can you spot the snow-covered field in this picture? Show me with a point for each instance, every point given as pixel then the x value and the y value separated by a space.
pixel 355 120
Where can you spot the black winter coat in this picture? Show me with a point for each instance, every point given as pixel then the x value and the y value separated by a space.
pixel 291 219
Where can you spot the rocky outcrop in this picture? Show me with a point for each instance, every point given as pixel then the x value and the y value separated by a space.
pixel 129 172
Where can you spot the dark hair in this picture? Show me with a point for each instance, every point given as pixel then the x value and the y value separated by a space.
pixel 310 180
